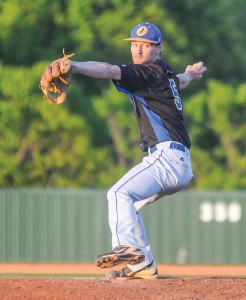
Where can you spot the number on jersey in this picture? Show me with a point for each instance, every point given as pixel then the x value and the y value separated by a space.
pixel 176 96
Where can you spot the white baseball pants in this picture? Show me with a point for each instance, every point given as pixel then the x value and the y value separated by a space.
pixel 164 172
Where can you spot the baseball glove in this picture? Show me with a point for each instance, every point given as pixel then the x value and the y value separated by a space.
pixel 56 79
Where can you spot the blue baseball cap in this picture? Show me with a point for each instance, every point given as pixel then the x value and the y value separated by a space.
pixel 145 32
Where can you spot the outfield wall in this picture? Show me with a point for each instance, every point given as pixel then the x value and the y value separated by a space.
pixel 191 227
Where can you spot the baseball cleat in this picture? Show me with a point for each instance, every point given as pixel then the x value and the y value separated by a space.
pixel 149 272
pixel 119 255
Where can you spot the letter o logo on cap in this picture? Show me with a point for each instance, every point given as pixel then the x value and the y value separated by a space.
pixel 142 30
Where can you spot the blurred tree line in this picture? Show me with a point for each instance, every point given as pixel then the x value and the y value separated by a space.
pixel 93 139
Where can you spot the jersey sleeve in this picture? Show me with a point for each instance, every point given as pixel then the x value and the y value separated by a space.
pixel 136 77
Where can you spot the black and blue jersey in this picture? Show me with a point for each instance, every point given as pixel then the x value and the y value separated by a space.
pixel 154 91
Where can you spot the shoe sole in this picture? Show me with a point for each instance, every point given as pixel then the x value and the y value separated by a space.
pixel 111 260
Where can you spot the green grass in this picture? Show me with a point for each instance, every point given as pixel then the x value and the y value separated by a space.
pixel 69 276
pixel 18 275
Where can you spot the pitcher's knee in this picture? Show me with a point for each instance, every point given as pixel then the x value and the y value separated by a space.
pixel 116 193
pixel 111 194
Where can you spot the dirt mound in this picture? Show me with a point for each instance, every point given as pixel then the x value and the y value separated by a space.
pixel 100 288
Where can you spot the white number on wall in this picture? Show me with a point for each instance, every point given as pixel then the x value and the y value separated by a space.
pixel 220 212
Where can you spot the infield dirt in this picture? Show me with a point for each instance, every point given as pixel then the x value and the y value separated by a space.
pixel 218 283
pixel 99 288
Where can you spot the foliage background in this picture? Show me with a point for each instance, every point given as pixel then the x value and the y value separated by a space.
pixel 93 139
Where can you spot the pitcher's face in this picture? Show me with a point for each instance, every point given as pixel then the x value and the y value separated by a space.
pixel 143 52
